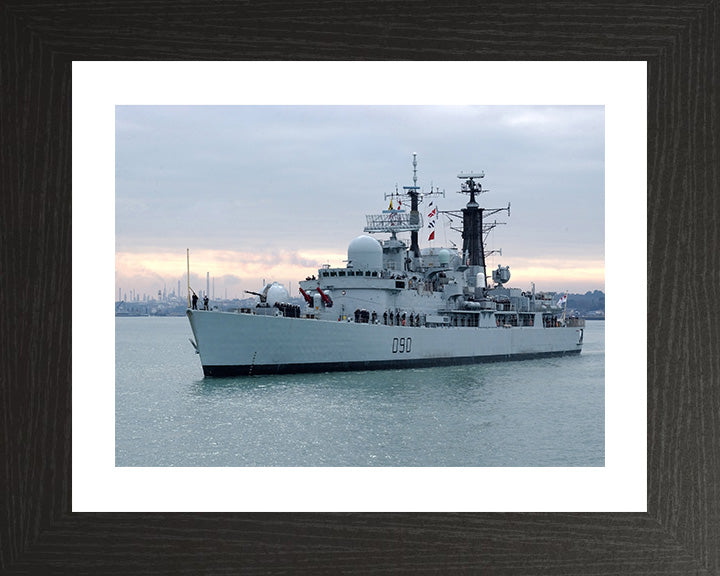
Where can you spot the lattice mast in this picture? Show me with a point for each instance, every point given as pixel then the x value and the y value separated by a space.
pixel 414 193
pixel 394 221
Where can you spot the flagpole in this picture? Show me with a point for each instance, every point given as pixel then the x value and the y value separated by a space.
pixel 188 275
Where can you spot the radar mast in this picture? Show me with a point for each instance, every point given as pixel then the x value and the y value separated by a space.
pixel 412 191
pixel 474 229
pixel 415 194
pixel 395 220
pixel 473 249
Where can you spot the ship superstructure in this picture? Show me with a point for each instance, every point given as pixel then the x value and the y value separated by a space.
pixel 393 305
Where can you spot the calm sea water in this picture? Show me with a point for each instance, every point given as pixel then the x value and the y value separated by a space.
pixel 545 412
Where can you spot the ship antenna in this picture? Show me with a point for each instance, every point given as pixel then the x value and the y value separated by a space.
pixel 414 213
pixel 415 169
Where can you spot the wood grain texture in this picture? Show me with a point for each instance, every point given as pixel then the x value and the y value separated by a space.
pixel 680 534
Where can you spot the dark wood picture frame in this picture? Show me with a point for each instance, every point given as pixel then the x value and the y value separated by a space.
pixel 680 533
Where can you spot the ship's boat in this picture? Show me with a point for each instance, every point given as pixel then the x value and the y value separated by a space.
pixel 393 306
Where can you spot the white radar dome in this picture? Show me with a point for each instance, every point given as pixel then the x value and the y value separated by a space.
pixel 275 293
pixel 444 257
pixel 365 253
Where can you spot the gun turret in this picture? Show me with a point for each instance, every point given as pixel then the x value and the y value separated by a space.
pixel 262 296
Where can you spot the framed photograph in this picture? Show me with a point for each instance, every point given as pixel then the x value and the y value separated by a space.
pixel 61 520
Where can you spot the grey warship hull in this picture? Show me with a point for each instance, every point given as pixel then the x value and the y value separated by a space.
pixel 241 344
pixel 392 305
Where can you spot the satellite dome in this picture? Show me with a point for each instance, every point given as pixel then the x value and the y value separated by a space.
pixel 365 253
pixel 275 293
pixel 444 257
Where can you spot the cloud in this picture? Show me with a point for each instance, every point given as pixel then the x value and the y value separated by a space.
pixel 278 187
pixel 238 270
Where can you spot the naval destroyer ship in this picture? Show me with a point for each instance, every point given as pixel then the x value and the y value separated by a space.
pixel 393 305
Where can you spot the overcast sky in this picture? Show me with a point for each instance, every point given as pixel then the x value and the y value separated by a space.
pixel 273 192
